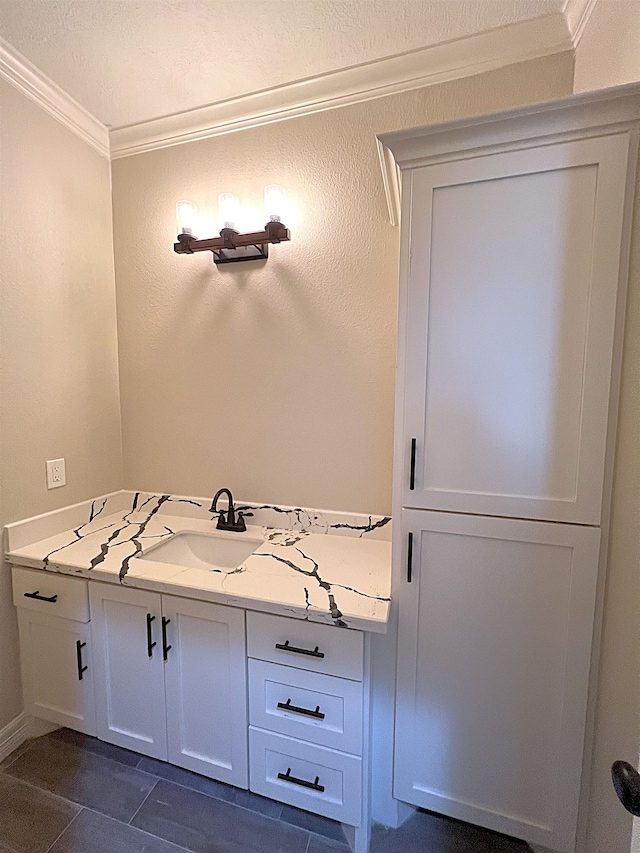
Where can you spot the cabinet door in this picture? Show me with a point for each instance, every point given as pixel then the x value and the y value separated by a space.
pixel 57 671
pixel 127 654
pixel 493 668
pixel 513 270
pixel 206 688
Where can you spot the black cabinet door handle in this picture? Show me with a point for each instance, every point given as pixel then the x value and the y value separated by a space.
pixel 150 642
pixel 409 556
pixel 412 470
pixel 81 669
pixel 287 777
pixel 165 647
pixel 287 706
pixel 285 647
pixel 51 599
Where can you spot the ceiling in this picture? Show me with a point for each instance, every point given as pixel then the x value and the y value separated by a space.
pixel 128 61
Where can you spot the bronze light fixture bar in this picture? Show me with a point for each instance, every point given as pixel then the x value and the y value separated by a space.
pixel 232 247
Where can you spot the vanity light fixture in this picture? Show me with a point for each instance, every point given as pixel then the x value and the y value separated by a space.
pixel 232 246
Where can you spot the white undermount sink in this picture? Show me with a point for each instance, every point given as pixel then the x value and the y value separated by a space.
pixel 196 550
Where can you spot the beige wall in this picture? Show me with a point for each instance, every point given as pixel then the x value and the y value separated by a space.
pixel 609 55
pixel 277 379
pixel 618 702
pixel 609 51
pixel 58 349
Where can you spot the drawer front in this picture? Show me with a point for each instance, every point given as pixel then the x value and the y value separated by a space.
pixel 46 592
pixel 306 776
pixel 320 709
pixel 293 642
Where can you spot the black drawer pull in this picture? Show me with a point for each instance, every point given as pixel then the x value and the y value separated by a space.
pixel 409 556
pixel 150 641
pixel 285 647
pixel 52 599
pixel 287 706
pixel 165 647
pixel 412 472
pixel 287 777
pixel 79 647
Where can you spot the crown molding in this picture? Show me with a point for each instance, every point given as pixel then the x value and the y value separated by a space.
pixel 583 115
pixel 17 70
pixel 391 181
pixel 577 14
pixel 438 63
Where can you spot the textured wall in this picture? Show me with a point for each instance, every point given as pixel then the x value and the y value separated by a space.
pixel 609 51
pixel 618 703
pixel 277 379
pixel 609 55
pixel 58 349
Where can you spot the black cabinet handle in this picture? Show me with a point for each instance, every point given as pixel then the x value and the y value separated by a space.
pixel 409 556
pixel 412 470
pixel 287 777
pixel 287 706
pixel 313 653
pixel 165 647
pixel 79 647
pixel 52 599
pixel 626 782
pixel 150 642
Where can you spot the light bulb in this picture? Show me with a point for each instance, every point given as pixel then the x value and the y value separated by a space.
pixel 274 201
pixel 228 209
pixel 187 217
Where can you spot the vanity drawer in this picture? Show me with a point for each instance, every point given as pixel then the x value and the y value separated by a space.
pixel 58 595
pixel 316 779
pixel 324 709
pixel 307 645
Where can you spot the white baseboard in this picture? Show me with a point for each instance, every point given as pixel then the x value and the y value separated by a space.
pixel 12 735
pixel 21 729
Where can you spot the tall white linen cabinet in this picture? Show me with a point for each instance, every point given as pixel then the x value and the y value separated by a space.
pixel 514 262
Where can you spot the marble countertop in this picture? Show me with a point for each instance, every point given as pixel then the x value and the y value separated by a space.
pixel 327 567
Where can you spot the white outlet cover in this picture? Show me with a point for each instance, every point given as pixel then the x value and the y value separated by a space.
pixel 56 474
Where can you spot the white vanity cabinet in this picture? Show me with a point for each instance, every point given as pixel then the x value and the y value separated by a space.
pixel 55 648
pixel 515 240
pixel 307 715
pixel 509 329
pixel 493 670
pixel 171 679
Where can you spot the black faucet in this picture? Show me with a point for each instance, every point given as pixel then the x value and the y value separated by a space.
pixel 230 522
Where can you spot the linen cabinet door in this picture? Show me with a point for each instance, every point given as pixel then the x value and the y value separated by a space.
pixel 511 282
pixel 206 688
pixel 57 671
pixel 493 667
pixel 128 661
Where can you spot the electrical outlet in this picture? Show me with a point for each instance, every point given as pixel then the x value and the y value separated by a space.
pixel 56 475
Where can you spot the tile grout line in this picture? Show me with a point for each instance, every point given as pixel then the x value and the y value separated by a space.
pixel 136 828
pixel 134 815
pixel 51 846
pixel 20 752
pixel 157 779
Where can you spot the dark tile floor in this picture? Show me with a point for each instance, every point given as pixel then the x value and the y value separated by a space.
pixel 68 793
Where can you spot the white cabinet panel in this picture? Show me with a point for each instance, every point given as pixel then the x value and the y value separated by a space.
pixel 57 670
pixel 493 669
pixel 50 594
pixel 317 708
pixel 307 776
pixel 308 645
pixel 206 688
pixel 129 677
pixel 510 317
